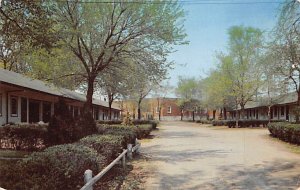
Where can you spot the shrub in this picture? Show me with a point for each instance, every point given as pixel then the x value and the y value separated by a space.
pixel 108 146
pixel 128 133
pixel 285 131
pixel 219 122
pixel 250 123
pixel 63 128
pixel 57 167
pixel 127 119
pixel 109 122
pixel 143 130
pixel 23 137
pixel 204 121
pixel 142 122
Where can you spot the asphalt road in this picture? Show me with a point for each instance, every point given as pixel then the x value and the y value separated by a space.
pixel 191 156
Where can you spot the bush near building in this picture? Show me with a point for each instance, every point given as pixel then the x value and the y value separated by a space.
pixel 108 146
pixel 134 122
pixel 285 131
pixel 29 137
pixel 62 166
pixel 57 167
pixel 204 121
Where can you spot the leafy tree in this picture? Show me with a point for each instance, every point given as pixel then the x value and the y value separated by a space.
pixel 285 46
pixel 114 84
pixel 140 86
pixel 101 36
pixel 273 84
pixel 241 65
pixel 160 92
pixel 24 24
pixel 189 93
pixel 57 66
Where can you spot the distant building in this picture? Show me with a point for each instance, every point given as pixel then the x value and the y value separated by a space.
pixel 163 108
pixel 281 109
pixel 27 100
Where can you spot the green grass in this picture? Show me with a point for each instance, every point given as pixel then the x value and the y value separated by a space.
pixel 291 147
pixel 13 153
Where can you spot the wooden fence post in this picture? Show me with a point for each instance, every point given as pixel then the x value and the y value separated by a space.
pixel 124 161
pixel 129 151
pixel 88 175
pixel 137 143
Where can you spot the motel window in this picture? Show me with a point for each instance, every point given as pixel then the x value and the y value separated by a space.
pixel 282 111
pixel 14 106
pixel 275 111
pixel 0 105
pixel 169 109
pixel 76 111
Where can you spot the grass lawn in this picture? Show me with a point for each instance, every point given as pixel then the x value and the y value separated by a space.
pixel 13 153
pixel 292 147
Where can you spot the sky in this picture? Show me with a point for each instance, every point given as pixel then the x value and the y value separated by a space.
pixel 206 26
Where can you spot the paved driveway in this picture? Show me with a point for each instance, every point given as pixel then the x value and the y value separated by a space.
pixel 190 156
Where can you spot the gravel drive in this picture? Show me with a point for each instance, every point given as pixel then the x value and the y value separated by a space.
pixel 186 155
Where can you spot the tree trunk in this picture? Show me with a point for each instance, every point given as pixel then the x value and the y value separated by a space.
pixel 236 116
pixel 89 96
pixel 159 113
pixel 242 111
pixel 181 115
pixel 193 115
pixel 214 114
pixel 269 114
pixel 109 109
pixel 110 101
pixel 297 112
pixel 139 109
pixel 225 114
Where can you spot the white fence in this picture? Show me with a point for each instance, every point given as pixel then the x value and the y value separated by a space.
pixel 89 180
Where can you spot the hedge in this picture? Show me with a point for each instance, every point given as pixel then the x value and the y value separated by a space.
pixel 143 130
pixel 108 146
pixel 153 123
pixel 57 167
pixel 109 122
pixel 27 137
pixel 204 121
pixel 128 133
pixel 219 122
pixel 248 123
pixel 135 122
pixel 285 131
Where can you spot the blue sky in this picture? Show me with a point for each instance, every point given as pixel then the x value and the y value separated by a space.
pixel 206 26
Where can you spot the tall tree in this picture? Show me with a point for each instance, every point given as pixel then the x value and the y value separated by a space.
pixel 114 84
pixel 189 93
pixel 245 45
pixel 24 24
pixel 285 47
pixel 100 36
pixel 160 92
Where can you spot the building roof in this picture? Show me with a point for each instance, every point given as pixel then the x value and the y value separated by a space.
pixel 17 79
pixel 288 98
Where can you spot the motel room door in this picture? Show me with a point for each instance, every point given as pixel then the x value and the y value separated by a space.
pixel 34 111
pixel 23 109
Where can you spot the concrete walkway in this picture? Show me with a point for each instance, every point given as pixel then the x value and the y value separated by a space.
pixel 190 156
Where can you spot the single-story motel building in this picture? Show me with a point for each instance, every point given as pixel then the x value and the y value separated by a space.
pixel 26 100
pixel 281 109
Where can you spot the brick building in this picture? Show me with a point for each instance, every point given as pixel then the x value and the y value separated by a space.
pixel 161 109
